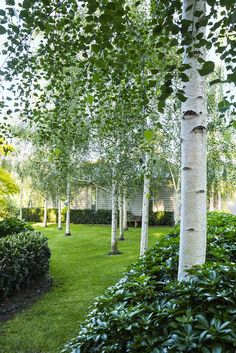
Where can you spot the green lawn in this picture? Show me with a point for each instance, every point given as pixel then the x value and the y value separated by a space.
pixel 81 270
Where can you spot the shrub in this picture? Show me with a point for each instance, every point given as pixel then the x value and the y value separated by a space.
pixel 161 218
pixel 36 214
pixel 149 311
pixel 13 225
pixel 23 257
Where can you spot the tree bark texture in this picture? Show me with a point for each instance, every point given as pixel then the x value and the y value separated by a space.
pixel 68 196
pixel 59 214
pixel 121 218
pixel 125 212
pixel 193 151
pixel 145 209
pixel 114 248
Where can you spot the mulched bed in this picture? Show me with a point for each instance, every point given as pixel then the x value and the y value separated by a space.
pixel 24 298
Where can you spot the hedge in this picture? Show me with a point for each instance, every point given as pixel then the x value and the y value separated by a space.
pixel 88 216
pixel 148 310
pixel 23 257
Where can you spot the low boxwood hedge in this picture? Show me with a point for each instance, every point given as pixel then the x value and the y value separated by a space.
pixel 148 311
pixel 23 257
pixel 12 226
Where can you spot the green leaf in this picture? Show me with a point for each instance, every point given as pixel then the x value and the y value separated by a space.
pixel 2 30
pixel 10 2
pixel 217 348
pixel 148 134
pixel 90 99
pixel 2 13
pixel 207 68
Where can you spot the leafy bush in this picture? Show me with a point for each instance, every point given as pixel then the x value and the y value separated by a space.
pixel 161 218
pixel 13 225
pixel 149 311
pixel 23 257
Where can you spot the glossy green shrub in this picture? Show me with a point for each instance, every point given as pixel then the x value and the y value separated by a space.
pixel 149 311
pixel 36 214
pixel 23 257
pixel 13 225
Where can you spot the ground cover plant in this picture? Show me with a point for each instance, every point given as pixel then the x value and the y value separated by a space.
pixel 149 311
pixel 81 270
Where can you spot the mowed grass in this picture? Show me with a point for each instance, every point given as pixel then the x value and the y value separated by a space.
pixel 81 270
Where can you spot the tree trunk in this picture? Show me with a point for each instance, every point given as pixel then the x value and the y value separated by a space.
pixel 176 206
pixel 193 152
pixel 125 212
pixel 145 209
pixel 59 214
pixel 211 204
pixel 67 232
pixel 21 202
pixel 114 249
pixel 219 201
pixel 121 218
pixel 45 213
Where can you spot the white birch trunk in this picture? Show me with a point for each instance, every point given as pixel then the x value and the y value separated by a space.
pixel 114 249
pixel 211 203
pixel 121 219
pixel 125 212
pixel 45 224
pixel 176 206
pixel 145 209
pixel 193 155
pixel 67 232
pixel 21 202
pixel 59 226
pixel 219 201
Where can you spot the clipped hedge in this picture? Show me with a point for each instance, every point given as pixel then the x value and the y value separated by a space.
pixel 23 257
pixel 12 226
pixel 149 311
pixel 88 216
pixel 35 214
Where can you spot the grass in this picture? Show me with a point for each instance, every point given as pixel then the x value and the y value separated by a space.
pixel 81 270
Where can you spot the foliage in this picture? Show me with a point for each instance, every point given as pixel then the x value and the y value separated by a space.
pixel 13 225
pixel 9 210
pixel 149 311
pixel 23 257
pixel 163 218
pixel 81 270
pixel 7 186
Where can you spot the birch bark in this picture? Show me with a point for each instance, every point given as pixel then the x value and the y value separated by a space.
pixel 68 195
pixel 59 214
pixel 193 151
pixel 45 213
pixel 125 212
pixel 145 209
pixel 114 248
pixel 219 201
pixel 121 218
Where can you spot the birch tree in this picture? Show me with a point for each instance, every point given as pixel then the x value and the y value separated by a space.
pixel 193 147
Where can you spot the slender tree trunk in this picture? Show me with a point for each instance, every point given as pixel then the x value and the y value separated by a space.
pixel 45 213
pixel 193 152
pixel 211 205
pixel 125 212
pixel 176 206
pixel 114 248
pixel 121 218
pixel 219 201
pixel 59 214
pixel 67 232
pixel 21 202
pixel 145 209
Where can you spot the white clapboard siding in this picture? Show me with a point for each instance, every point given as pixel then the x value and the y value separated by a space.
pixel 103 199
pixel 163 200
pixel 135 203
pixel 83 199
